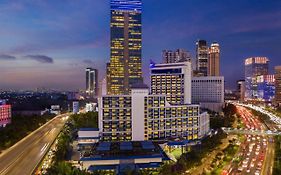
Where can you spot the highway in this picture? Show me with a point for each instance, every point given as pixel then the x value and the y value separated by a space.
pixel 24 156
pixel 255 152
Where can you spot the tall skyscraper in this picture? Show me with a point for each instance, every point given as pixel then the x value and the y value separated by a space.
pixel 214 60
pixel 202 57
pixel 179 55
pixel 254 67
pixel 278 84
pixel 92 82
pixel 125 67
pixel 241 89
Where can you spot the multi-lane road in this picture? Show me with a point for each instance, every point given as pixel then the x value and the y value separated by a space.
pixel 257 151
pixel 24 156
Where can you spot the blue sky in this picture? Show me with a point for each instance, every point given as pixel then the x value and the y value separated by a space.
pixel 49 43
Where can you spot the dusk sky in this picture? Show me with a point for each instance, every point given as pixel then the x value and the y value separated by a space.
pixel 49 43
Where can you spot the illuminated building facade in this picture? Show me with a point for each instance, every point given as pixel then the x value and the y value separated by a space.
pixel 92 82
pixel 241 89
pixel 266 87
pixel 141 116
pixel 179 55
pixel 172 80
pixel 214 60
pixel 254 67
pixel 5 113
pixel 125 67
pixel 202 57
pixel 278 84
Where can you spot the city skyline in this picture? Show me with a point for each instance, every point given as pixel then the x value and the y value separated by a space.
pixel 49 44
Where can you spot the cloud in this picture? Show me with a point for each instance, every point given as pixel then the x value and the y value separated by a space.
pixel 7 57
pixel 40 58
pixel 88 62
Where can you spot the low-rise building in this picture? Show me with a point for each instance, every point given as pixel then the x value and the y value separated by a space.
pixel 117 157
pixel 75 107
pixel 88 137
pixel 5 114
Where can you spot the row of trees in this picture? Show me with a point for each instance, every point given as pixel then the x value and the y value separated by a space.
pixel 225 120
pixel 193 158
pixel 76 121
pixel 20 127
pixel 277 161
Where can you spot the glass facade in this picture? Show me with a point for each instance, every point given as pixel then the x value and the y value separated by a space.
pixel 125 67
pixel 254 67
pixel 202 57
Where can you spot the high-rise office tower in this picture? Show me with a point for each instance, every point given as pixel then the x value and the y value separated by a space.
pixel 202 57
pixel 241 89
pixel 254 67
pixel 179 55
pixel 125 67
pixel 214 60
pixel 92 82
pixel 278 85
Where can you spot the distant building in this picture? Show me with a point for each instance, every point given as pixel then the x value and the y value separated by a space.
pixel 55 109
pixel 90 107
pixel 92 82
pixel 214 60
pixel 208 92
pixel 125 67
pixel 202 57
pixel 241 89
pixel 278 85
pixel 172 80
pixel 266 88
pixel 254 67
pixel 75 107
pixel 103 87
pixel 5 113
pixel 179 55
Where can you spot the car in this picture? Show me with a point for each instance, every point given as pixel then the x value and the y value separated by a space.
pixel 257 172
pixel 248 170
pixel 240 169
pixel 252 164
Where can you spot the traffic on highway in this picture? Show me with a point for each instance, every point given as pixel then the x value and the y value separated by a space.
pixel 253 151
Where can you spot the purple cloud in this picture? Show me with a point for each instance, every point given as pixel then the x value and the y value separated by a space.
pixel 7 57
pixel 40 58
pixel 88 62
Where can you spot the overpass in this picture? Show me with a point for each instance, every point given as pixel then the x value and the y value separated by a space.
pixel 250 132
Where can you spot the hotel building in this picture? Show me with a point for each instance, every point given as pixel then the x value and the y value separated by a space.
pixel 172 80
pixel 125 67
pixel 142 116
